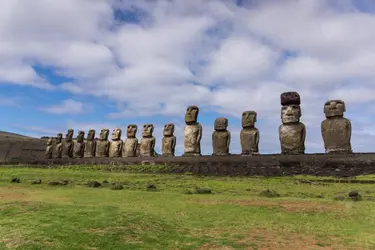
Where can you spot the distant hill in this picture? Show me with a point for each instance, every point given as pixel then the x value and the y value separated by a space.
pixel 13 136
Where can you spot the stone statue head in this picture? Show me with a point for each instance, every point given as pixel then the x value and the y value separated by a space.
pixel 334 108
pixel 116 134
pixel 191 114
pixel 148 129
pixel 132 130
pixel 49 141
pixel 249 119
pixel 221 124
pixel 168 129
pixel 80 136
pixel 59 137
pixel 69 135
pixel 290 114
pixel 104 134
pixel 290 98
pixel 91 135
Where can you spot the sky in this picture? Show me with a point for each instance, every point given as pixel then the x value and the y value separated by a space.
pixel 109 63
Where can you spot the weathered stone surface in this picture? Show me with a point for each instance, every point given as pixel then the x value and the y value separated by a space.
pixel 336 130
pixel 90 144
pixel 115 149
pixel 221 137
pixel 49 148
pixel 68 144
pixel 147 141
pixel 292 132
pixel 79 145
pixel 58 146
pixel 131 142
pixel 192 132
pixel 169 140
pixel 290 98
pixel 102 145
pixel 249 134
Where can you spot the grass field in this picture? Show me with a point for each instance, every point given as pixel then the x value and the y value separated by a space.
pixel 234 216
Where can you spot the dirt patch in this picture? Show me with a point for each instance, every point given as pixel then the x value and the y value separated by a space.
pixel 291 206
pixel 264 239
pixel 12 193
pixel 208 246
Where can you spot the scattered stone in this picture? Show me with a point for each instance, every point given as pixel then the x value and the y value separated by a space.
pixel 93 184
pixel 15 180
pixel 151 187
pixel 64 182
pixel 320 196
pixel 305 182
pixel 203 190
pixel 187 191
pixel 54 183
pixel 116 187
pixel 339 198
pixel 269 193
pixel 36 182
pixel 355 196
pixel 105 182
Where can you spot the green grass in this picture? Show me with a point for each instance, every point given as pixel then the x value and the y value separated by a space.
pixel 232 217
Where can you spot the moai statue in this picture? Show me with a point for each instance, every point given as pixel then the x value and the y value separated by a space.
pixel 115 148
pixel 249 134
pixel 102 145
pixel 292 132
pixel 336 130
pixel 147 141
pixel 79 145
pixel 49 148
pixel 169 140
pixel 221 137
pixel 192 132
pixel 68 145
pixel 58 145
pixel 90 144
pixel 131 142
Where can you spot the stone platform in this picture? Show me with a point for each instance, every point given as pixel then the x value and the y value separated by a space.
pixel 346 165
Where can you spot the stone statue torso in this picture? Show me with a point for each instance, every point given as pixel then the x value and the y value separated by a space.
pixel 336 134
pixel 147 146
pixel 220 142
pixel 130 147
pixel 58 150
pixel 79 149
pixel 67 149
pixel 192 138
pixel 90 146
pixel 102 149
pixel 249 140
pixel 49 150
pixel 292 138
pixel 115 148
pixel 168 145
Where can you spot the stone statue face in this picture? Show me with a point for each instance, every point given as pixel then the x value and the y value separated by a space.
pixel 334 108
pixel 148 129
pixel 69 135
pixel 191 114
pixel 249 119
pixel 59 137
pixel 168 129
pixel 132 130
pixel 80 136
pixel 116 134
pixel 91 134
pixel 221 123
pixel 290 114
pixel 104 134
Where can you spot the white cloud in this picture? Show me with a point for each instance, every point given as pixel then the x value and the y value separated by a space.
pixel 211 53
pixel 68 106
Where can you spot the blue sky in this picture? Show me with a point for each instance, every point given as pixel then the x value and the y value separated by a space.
pixel 84 64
